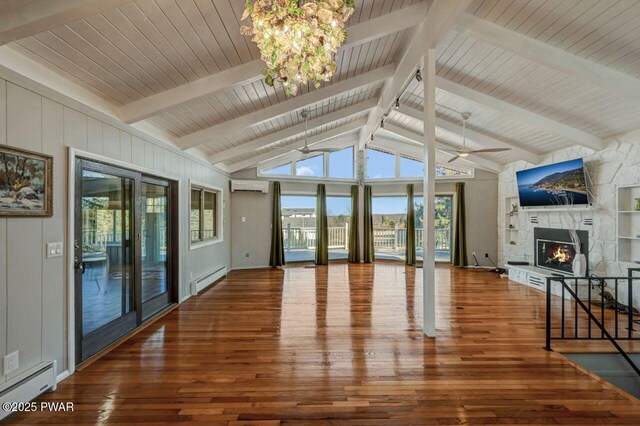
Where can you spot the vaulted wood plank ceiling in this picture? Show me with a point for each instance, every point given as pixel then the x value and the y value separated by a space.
pixel 537 75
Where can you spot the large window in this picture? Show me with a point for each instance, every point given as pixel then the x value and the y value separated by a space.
pixel 204 215
pixel 380 165
pixel 389 227
pixel 338 222
pixel 299 227
pixel 443 227
pixel 341 164
pixel 279 171
pixel 313 166
pixel 410 168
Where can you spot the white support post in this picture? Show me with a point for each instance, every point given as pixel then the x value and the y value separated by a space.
pixel 429 263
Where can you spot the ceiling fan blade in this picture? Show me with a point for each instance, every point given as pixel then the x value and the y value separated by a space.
pixel 490 150
pixel 454 158
pixel 325 150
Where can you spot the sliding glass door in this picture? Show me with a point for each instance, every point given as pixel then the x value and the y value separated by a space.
pixel 122 252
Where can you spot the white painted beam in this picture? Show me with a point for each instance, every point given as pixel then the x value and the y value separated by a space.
pixel 482 163
pixel 288 132
pixel 550 56
pixel 292 104
pixel 251 71
pixel 440 19
pixel 543 123
pixel 340 130
pixel 477 137
pixel 25 18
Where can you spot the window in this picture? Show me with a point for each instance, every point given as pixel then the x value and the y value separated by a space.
pixel 280 170
pixel 410 168
pixel 443 227
pixel 338 221
pixel 389 227
pixel 341 164
pixel 313 166
pixel 450 171
pixel 380 165
pixel 298 227
pixel 204 214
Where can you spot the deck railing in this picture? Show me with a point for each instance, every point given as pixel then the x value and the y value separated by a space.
pixel 385 239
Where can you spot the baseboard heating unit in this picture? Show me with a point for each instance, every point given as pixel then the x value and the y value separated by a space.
pixel 206 280
pixel 28 385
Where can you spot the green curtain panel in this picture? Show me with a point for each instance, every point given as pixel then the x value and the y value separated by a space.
pixel 460 235
pixel 369 248
pixel 410 249
pixel 322 229
pixel 354 227
pixel 277 247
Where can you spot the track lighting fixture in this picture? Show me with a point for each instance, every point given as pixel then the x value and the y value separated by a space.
pixel 397 104
pixel 418 76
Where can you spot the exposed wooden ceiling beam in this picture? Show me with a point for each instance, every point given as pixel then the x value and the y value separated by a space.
pixel 440 18
pixel 419 139
pixel 535 120
pixel 477 137
pixel 340 130
pixel 288 132
pixel 251 71
pixel 290 105
pixel 25 18
pixel 550 56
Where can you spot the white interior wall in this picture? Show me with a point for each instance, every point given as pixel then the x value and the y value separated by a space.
pixel 33 289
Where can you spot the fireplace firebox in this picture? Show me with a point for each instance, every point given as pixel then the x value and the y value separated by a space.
pixel 555 251
pixel 555 255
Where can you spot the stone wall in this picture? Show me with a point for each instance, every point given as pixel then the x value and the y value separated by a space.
pixel 617 164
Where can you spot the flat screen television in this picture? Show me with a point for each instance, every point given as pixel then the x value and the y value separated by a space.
pixel 557 184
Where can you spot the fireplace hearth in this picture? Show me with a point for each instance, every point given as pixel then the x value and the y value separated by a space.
pixel 555 251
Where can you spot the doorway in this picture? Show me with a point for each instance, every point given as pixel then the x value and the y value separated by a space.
pixel 125 252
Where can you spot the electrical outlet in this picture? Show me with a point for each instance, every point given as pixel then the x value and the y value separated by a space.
pixel 10 363
pixel 486 255
pixel 246 254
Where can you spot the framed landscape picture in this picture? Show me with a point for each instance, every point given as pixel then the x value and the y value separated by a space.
pixel 26 183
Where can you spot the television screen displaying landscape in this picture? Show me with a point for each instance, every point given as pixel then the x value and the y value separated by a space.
pixel 553 185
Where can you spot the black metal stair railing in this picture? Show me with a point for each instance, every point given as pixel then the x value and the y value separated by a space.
pixel 607 317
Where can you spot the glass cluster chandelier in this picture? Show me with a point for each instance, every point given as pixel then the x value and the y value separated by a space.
pixel 297 39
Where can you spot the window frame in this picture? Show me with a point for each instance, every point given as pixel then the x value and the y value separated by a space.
pixel 218 214
pixel 272 164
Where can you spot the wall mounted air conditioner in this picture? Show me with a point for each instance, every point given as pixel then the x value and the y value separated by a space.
pixel 250 186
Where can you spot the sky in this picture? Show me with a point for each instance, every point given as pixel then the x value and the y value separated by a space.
pixel 531 176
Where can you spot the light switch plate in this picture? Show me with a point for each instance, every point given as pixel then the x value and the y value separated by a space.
pixel 10 363
pixel 54 249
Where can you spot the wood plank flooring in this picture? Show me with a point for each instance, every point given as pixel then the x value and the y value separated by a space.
pixel 342 345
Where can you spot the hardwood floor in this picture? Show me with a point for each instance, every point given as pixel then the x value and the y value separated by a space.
pixel 344 345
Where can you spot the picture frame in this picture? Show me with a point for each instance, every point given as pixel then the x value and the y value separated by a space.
pixel 26 183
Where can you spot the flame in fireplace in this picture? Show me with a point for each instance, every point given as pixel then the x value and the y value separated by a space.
pixel 561 255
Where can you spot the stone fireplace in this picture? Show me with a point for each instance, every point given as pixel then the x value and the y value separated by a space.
pixel 554 249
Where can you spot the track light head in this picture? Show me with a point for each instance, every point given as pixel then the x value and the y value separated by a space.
pixel 397 104
pixel 382 123
pixel 418 76
pixel 371 137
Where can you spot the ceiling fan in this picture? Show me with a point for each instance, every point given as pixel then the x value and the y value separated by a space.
pixel 305 149
pixel 465 152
